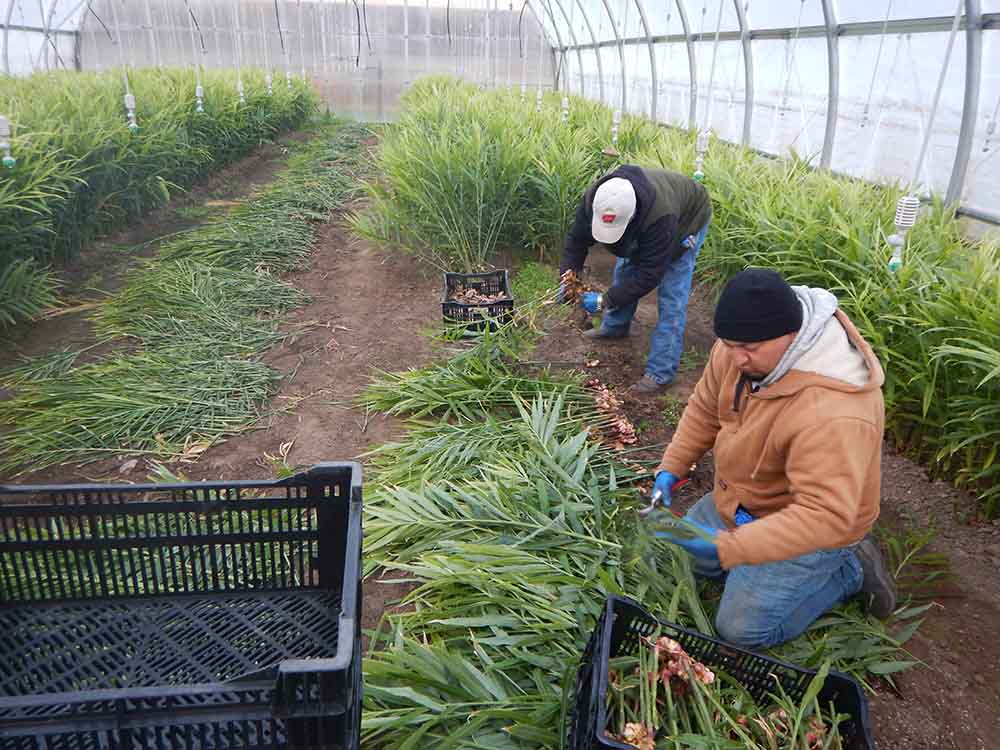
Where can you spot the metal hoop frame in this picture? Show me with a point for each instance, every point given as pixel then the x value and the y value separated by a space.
pixel 556 22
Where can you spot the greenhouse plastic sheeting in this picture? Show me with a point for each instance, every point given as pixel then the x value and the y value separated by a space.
pixel 759 73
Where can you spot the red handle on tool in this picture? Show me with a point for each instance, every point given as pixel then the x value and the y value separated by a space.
pixel 676 486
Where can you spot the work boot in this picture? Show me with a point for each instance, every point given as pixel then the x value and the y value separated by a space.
pixel 878 589
pixel 602 333
pixel 646 386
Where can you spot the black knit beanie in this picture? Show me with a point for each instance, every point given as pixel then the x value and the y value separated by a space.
pixel 757 305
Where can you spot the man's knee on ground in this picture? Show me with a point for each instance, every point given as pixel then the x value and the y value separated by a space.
pixel 748 627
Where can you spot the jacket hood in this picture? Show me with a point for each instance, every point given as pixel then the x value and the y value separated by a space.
pixel 839 359
pixel 818 307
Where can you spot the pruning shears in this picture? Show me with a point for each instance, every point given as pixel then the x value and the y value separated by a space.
pixel 656 501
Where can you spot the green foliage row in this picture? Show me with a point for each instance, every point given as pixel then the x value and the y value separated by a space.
pixel 81 172
pixel 468 172
pixel 935 323
pixel 178 364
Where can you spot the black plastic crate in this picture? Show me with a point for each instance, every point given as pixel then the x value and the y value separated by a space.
pixel 478 317
pixel 617 634
pixel 194 615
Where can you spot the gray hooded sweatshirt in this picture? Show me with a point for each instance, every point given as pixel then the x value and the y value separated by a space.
pixel 821 345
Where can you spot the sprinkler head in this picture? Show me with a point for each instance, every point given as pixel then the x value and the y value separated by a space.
pixel 133 128
pixel 698 176
pixel 9 162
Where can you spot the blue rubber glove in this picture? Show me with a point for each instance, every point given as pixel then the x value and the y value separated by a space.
pixel 664 484
pixel 592 302
pixel 697 547
pixel 561 294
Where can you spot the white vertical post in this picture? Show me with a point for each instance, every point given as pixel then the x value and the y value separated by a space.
pixel 152 35
pixel 406 44
pixel 427 37
pixel 302 45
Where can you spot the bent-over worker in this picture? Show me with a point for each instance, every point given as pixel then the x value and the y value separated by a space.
pixel 791 403
pixel 655 221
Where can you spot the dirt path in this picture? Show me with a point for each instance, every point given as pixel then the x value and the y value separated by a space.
pixel 369 305
pixel 953 702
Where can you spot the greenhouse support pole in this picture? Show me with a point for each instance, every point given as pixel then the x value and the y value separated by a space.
pixel 152 35
pixel 49 41
pixel 542 38
pixel 572 34
pixel 489 69
pixel 6 37
pixel 970 106
pixel 621 52
pixel 652 59
pixel 216 38
pixel 510 42
pixel 692 64
pixel 741 14
pixel 406 44
pixel 558 50
pixel 833 87
pixel 597 50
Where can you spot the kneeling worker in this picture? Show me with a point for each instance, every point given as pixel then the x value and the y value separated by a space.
pixel 655 221
pixel 791 403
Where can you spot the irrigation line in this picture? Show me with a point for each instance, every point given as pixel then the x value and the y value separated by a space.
pixel 118 44
pixel 197 26
pixel 238 51
pixel 192 24
pixel 364 17
pixel 878 59
pixel 277 20
pixel 870 157
pixel 357 13
pixel 937 93
pixel 711 75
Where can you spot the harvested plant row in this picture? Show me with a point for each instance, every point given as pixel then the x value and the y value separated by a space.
pixel 511 518
pixel 185 332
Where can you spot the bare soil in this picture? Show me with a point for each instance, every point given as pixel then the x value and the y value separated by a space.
pixel 369 307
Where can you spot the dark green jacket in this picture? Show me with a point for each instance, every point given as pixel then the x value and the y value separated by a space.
pixel 669 208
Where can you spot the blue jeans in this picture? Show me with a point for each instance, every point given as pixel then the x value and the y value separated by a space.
pixel 667 342
pixel 764 605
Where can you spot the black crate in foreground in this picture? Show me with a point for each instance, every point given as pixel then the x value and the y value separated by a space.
pixel 617 634
pixel 216 615
pixel 479 316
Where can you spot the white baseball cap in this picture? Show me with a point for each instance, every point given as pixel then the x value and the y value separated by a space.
pixel 614 207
